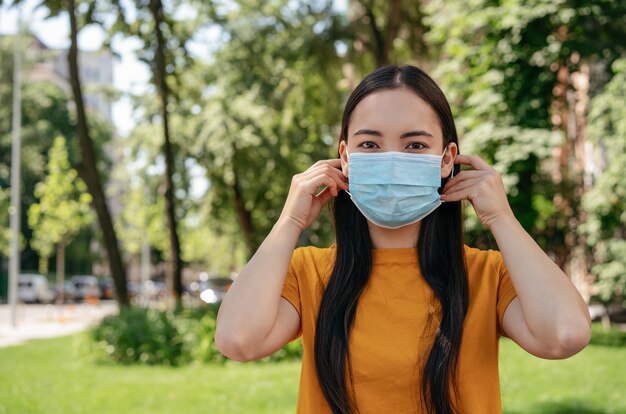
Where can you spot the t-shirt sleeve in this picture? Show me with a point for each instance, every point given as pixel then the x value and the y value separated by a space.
pixel 506 292
pixel 291 288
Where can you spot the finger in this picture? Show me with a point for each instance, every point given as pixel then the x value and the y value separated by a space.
pixel 335 162
pixel 325 169
pixel 465 194
pixel 462 176
pixel 473 161
pixel 324 179
pixel 322 168
pixel 462 185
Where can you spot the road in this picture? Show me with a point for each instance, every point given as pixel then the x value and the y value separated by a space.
pixel 47 321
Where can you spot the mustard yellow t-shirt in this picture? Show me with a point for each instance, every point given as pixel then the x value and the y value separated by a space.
pixel 388 330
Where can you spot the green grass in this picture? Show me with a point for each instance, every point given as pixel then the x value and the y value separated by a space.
pixel 58 376
pixel 593 381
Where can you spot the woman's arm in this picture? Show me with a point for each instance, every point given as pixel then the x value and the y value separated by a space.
pixel 253 320
pixel 548 318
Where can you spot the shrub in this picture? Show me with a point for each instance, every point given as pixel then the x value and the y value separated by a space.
pixel 614 337
pixel 148 336
pixel 140 335
pixel 198 326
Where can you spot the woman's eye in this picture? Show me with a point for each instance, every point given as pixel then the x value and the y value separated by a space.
pixel 368 145
pixel 416 145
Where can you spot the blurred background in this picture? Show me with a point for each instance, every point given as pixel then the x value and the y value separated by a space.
pixel 158 140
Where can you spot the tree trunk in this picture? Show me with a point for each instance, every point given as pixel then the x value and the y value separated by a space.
pixel 570 113
pixel 562 175
pixel 244 217
pixel 60 272
pixel 383 42
pixel 580 107
pixel 159 65
pixel 378 43
pixel 87 169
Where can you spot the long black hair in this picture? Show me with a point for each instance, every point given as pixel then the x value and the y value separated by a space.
pixel 441 261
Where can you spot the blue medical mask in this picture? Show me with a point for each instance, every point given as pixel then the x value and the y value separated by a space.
pixel 394 189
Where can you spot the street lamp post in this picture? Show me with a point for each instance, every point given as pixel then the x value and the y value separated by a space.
pixel 14 210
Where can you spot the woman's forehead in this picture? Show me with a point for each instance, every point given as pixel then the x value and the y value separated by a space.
pixel 394 112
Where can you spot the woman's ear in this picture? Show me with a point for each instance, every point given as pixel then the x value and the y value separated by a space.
pixel 343 155
pixel 447 162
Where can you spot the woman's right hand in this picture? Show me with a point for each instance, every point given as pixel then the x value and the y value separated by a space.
pixel 304 204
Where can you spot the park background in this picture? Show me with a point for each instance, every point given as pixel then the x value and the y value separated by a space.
pixel 192 117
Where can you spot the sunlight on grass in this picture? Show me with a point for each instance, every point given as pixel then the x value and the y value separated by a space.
pixel 56 376
pixel 592 381
pixel 59 376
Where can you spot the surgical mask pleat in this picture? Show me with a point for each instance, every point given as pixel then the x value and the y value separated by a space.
pixel 395 189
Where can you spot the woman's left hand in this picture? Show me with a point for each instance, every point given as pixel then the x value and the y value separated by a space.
pixel 482 187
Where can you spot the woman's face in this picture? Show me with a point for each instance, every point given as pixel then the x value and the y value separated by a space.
pixel 395 120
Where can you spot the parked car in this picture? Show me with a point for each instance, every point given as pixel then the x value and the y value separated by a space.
pixel 106 288
pixel 34 288
pixel 69 292
pixel 86 287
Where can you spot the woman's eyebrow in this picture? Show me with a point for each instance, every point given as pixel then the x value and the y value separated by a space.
pixel 417 133
pixel 368 132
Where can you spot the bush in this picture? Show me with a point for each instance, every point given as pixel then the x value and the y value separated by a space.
pixel 148 336
pixel 199 328
pixel 139 335
pixel 614 337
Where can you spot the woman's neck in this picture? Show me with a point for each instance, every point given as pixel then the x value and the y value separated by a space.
pixel 394 238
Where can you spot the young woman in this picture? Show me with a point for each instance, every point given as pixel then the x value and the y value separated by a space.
pixel 399 316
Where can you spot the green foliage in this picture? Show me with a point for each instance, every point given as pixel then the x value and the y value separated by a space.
pixel 498 65
pixel 139 335
pixel 142 217
pixel 614 337
pixel 5 233
pixel 63 207
pixel 501 102
pixel 259 126
pixel 605 203
pixel 150 336
pixel 45 115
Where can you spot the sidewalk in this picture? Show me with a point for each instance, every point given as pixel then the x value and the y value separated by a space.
pixel 48 321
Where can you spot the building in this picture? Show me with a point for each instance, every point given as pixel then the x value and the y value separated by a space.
pixel 96 74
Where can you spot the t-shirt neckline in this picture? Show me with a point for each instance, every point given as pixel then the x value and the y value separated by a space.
pixel 394 255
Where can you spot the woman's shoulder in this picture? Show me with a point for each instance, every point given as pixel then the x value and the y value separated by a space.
pixel 313 263
pixel 313 253
pixel 481 260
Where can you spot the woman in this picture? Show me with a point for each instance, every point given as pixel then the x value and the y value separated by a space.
pixel 399 315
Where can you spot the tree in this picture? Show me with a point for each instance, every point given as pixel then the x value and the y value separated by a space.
pixel 61 211
pixel 605 203
pixel 45 115
pixel 518 77
pixel 164 40
pixel 4 219
pixel 383 32
pixel 87 166
pixel 159 67
pixel 269 111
